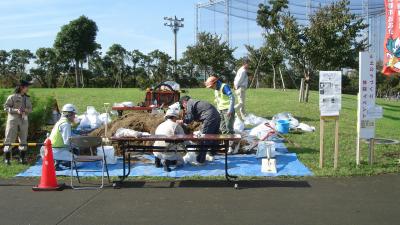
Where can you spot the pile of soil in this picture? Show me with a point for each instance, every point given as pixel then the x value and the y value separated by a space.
pixel 139 121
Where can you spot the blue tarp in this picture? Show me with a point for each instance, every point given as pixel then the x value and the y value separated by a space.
pixel 241 165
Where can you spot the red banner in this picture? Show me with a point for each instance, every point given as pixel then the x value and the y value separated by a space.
pixel 391 60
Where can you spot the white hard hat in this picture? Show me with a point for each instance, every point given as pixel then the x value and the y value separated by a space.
pixel 172 112
pixel 69 108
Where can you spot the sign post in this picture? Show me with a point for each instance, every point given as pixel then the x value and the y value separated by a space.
pixel 367 111
pixel 330 103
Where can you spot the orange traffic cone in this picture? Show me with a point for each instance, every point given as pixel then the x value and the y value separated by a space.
pixel 48 180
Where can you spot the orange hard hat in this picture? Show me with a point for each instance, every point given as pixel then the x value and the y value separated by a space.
pixel 211 81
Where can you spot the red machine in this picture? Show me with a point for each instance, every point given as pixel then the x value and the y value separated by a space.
pixel 162 95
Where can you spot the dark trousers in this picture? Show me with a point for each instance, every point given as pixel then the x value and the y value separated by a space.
pixel 210 126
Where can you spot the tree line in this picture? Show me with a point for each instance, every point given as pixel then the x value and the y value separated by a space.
pixel 291 51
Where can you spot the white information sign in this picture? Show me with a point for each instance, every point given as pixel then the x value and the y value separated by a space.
pixel 367 111
pixel 330 92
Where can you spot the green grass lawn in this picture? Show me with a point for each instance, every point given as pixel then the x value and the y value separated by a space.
pixel 266 103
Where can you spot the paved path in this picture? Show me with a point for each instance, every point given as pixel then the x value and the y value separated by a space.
pixel 360 200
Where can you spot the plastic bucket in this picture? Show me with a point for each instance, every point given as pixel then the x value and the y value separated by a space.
pixel 282 126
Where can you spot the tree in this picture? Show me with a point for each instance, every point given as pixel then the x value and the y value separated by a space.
pixel 270 17
pixel 137 59
pixel 160 65
pixel 49 67
pixel 75 42
pixel 19 59
pixel 4 57
pixel 118 54
pixel 331 41
pixel 211 55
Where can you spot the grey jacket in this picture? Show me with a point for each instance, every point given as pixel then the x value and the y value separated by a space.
pixel 199 111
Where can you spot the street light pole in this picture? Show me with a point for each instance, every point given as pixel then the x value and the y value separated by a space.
pixel 175 24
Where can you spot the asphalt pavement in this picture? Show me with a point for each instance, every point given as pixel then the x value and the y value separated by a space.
pixel 357 200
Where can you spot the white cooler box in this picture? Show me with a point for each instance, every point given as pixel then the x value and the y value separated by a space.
pixel 110 154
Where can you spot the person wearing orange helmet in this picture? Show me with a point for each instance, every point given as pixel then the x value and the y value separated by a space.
pixel 225 100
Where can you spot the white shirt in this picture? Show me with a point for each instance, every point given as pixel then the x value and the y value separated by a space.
pixel 241 79
pixel 168 128
pixel 66 132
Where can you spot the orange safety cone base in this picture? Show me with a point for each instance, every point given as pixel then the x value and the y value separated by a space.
pixel 60 187
pixel 48 180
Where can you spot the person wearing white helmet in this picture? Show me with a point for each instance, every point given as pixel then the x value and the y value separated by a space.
pixel 169 128
pixel 60 135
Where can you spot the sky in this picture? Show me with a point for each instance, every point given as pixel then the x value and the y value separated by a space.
pixel 31 24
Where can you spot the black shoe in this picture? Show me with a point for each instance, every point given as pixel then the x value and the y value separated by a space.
pixel 166 166
pixel 66 164
pixel 7 158
pixel 157 162
pixel 201 158
pixel 22 157
pixel 58 167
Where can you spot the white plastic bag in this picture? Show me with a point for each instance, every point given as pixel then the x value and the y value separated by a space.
pixel 93 117
pixel 260 131
pixel 84 123
pixel 293 122
pixel 104 118
pixel 238 126
pixel 175 86
pixel 123 132
pixel 254 120
pixel 109 152
pixel 266 149
pixel 306 127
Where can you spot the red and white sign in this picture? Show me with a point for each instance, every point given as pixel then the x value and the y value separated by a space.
pixel 391 60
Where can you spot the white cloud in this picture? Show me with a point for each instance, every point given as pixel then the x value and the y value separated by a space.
pixel 31 35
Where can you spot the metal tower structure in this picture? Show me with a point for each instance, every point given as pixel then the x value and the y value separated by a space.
pixel 237 19
pixel 175 25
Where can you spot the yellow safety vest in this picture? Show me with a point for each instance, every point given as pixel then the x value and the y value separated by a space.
pixel 56 138
pixel 221 99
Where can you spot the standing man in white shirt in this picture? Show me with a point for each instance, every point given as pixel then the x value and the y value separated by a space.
pixel 240 84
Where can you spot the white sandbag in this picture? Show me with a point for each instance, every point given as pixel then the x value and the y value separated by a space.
pixel 260 131
pixel 156 111
pixel 127 104
pixel 306 127
pixel 238 125
pixel 190 157
pixel 109 152
pixel 123 132
pixel 254 120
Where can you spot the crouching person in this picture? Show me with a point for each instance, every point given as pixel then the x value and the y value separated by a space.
pixel 60 135
pixel 169 128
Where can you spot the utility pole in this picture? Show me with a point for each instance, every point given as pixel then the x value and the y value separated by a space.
pixel 175 24
pixel 365 12
pixel 227 22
